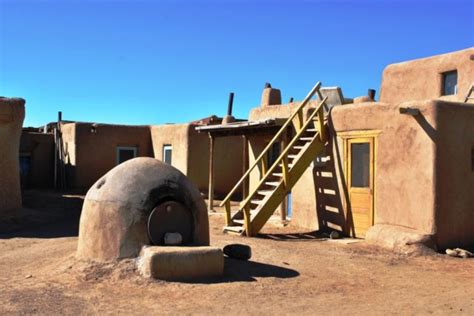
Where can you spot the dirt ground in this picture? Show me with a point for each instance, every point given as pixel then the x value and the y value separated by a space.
pixel 289 273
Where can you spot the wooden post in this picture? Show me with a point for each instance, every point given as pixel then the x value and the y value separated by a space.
pixel 56 153
pixel 245 187
pixel 286 173
pixel 211 173
pixel 245 162
pixel 322 130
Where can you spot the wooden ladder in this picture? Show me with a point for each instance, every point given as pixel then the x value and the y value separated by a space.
pixel 277 181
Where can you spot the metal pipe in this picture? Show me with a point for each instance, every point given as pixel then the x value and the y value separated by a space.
pixel 231 103
pixel 371 94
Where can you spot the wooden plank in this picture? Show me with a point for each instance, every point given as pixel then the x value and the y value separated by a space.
pixel 211 173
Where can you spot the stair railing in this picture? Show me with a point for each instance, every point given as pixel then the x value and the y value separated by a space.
pixel 260 159
pixel 283 158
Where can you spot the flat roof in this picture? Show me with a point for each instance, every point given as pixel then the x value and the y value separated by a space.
pixel 243 128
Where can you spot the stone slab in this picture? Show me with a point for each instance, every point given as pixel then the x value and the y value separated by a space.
pixel 181 263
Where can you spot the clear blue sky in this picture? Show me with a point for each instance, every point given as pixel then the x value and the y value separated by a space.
pixel 151 62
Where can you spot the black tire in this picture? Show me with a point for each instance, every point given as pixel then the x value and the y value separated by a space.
pixel 238 251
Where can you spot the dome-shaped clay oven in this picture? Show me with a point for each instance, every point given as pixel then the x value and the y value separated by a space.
pixel 143 191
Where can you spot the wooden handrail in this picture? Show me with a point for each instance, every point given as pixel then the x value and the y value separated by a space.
pixel 285 152
pixel 275 138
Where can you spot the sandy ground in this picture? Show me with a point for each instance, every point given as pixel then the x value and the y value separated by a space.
pixel 288 274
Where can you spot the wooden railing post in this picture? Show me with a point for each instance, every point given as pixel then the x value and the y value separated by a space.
pixel 247 225
pixel 264 167
pixel 322 130
pixel 228 219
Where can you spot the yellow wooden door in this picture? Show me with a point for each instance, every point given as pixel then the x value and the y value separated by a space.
pixel 360 176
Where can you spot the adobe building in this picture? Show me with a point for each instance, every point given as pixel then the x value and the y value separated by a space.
pixel 398 171
pixel 91 149
pixel 182 146
pixel 12 114
pixel 36 159
pixel 84 152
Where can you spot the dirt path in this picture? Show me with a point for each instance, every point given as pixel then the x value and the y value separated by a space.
pixel 39 274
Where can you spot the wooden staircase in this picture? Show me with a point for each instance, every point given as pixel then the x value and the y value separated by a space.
pixel 276 182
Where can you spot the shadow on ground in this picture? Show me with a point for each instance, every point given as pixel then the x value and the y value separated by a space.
pixel 314 236
pixel 240 270
pixel 45 214
pixel 248 271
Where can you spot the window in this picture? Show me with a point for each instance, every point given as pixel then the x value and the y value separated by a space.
pixel 125 153
pixel 360 165
pixel 167 153
pixel 450 83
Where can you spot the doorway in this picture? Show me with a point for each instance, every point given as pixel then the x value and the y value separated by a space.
pixel 360 183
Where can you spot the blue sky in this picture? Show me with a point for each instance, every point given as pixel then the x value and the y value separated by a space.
pixel 151 62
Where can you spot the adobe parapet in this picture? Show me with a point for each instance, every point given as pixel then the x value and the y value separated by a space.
pixel 12 114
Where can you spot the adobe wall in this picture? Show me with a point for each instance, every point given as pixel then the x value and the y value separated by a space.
pixel 12 114
pixel 405 157
pixel 191 156
pixel 227 162
pixel 455 174
pixel 421 79
pixel 40 148
pixel 89 155
pixel 176 135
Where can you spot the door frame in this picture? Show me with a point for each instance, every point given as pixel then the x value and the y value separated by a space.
pixel 363 136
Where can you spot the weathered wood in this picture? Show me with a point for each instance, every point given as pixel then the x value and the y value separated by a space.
pixel 211 173
pixel 275 138
pixel 285 152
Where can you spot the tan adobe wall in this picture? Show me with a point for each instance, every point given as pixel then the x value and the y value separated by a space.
pixel 191 156
pixel 455 174
pixel 12 114
pixel 404 161
pixel 92 154
pixel 227 162
pixel 421 79
pixel 175 135
pixel 40 148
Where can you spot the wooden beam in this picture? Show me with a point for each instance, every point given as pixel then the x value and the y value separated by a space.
pixel 409 111
pixel 211 173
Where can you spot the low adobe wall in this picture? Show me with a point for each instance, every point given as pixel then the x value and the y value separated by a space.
pixel 421 79
pixel 12 114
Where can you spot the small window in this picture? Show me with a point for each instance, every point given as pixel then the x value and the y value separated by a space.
pixel 125 153
pixel 360 165
pixel 450 83
pixel 167 153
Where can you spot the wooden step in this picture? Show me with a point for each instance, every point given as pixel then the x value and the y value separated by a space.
pixel 298 147
pixel 312 130
pixel 257 202
pixel 306 139
pixel 292 156
pixel 277 174
pixel 273 184
pixel 265 192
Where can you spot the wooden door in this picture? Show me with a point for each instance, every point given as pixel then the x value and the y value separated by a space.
pixel 360 176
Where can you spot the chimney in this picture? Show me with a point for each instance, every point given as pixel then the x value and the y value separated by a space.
pixel 270 96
